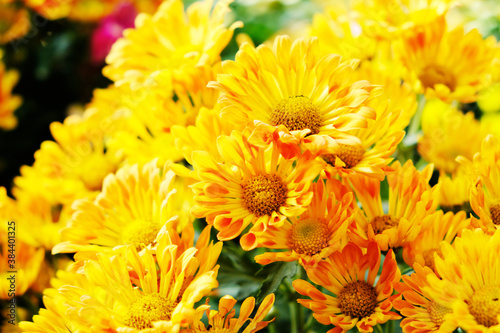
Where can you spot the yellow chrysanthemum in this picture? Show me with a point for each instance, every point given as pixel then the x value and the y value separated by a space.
pixel 361 300
pixel 317 233
pixel 295 85
pixel 411 203
pixel 444 227
pixel 394 109
pixel 224 321
pixel 15 23
pixel 255 185
pixel 132 208
pixel 8 102
pixel 485 184
pixel 470 283
pixel 421 312
pixel 150 291
pixel 450 65
pixel 169 41
pixel 455 191
pixel 445 131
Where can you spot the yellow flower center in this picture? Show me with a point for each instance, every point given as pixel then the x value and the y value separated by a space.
pixel 437 312
pixel 297 113
pixel 358 299
pixel 264 194
pixel 384 222
pixel 351 155
pixel 484 305
pixel 435 74
pixel 495 214
pixel 309 236
pixel 147 309
pixel 140 233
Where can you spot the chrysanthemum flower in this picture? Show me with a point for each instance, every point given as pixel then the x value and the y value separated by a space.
pixel 485 184
pixel 9 104
pixel 470 283
pixel 255 185
pixel 455 191
pixel 444 228
pixel 131 209
pixel 378 141
pixel 361 300
pixel 170 40
pixel 317 233
pixel 154 291
pixel 15 24
pixel 450 65
pixel 224 321
pixel 295 85
pixel 445 130
pixel 411 202
pixel 421 312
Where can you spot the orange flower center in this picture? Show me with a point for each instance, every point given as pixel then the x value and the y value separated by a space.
pixel 351 155
pixel 264 194
pixel 384 222
pixel 147 309
pixel 140 233
pixel 297 113
pixel 358 299
pixel 437 312
pixel 495 214
pixel 435 74
pixel 309 236
pixel 429 257
pixel 484 305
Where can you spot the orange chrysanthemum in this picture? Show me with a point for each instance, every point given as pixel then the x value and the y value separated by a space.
pixel 296 85
pixel 15 24
pixel 255 185
pixel 317 233
pixel 411 203
pixel 422 313
pixel 450 65
pixel 8 102
pixel 224 321
pixel 361 300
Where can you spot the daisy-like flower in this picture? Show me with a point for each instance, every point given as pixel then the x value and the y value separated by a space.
pixel 9 104
pixel 421 312
pixel 455 191
pixel 131 209
pixel 15 24
pixel 296 85
pixel 394 109
pixel 170 40
pixel 411 203
pixel 317 233
pixel 470 283
pixel 255 185
pixel 361 300
pixel 150 291
pixel 485 183
pixel 445 227
pixel 450 65
pixel 224 321
pixel 445 129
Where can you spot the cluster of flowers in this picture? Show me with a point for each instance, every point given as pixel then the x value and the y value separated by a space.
pixel 289 149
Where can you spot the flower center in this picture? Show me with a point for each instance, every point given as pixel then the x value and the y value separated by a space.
pixel 429 257
pixel 264 194
pixel 484 305
pixel 309 236
pixel 384 222
pixel 435 74
pixel 351 155
pixel 147 309
pixel 437 312
pixel 495 214
pixel 297 113
pixel 140 233
pixel 358 299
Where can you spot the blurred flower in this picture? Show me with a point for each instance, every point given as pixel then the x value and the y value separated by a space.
pixel 14 23
pixel 110 29
pixel 8 102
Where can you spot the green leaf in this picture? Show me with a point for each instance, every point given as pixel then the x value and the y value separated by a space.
pixel 275 274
